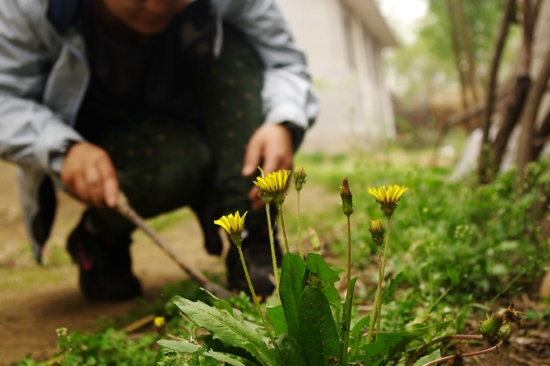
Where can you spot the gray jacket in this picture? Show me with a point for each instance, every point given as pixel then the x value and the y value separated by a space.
pixel 44 77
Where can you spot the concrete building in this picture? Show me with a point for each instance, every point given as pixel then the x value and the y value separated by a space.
pixel 343 40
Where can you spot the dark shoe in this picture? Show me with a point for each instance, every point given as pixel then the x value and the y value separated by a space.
pixel 257 254
pixel 105 266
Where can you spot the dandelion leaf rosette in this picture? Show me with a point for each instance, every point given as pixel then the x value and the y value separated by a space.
pixel 230 331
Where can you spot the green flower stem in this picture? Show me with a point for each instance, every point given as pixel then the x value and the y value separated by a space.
pixel 374 313
pixel 300 228
pixel 347 319
pixel 377 309
pixel 281 213
pixel 272 244
pixel 380 279
pixel 255 298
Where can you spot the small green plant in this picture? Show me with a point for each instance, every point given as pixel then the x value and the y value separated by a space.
pixel 308 323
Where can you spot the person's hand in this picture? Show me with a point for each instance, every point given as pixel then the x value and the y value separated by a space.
pixel 89 173
pixel 272 145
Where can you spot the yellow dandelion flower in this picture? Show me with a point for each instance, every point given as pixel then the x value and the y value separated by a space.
pixel 388 197
pixel 160 325
pixel 159 322
pixel 233 225
pixel 273 185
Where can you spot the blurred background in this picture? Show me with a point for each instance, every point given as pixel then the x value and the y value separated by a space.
pixel 411 72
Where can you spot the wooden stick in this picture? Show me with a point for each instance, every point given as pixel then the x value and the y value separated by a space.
pixel 123 206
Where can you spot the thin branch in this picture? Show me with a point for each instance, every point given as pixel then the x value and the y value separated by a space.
pixel 413 358
pixel 471 354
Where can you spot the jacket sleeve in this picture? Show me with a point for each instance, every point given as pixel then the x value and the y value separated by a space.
pixel 287 94
pixel 29 131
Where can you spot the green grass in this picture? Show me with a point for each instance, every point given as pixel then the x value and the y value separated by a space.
pixel 456 243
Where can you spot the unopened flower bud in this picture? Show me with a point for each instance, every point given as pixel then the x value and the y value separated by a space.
pixel 347 197
pixel 377 232
pixel 505 332
pixel 299 177
pixel 490 327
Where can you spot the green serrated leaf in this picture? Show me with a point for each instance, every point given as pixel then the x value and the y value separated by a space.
pixel 292 354
pixel 185 347
pixel 391 286
pixel 219 303
pixel 318 333
pixel 290 289
pixel 388 345
pixel 277 318
pixel 357 327
pixel 230 331
pixel 435 355
pixel 317 265
pixel 217 345
pixel 377 351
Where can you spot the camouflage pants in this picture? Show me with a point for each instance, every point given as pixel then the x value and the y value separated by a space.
pixel 168 165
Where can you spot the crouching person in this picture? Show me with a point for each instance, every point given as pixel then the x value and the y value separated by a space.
pixel 173 102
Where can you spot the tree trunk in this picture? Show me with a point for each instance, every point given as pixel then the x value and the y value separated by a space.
pixel 485 173
pixel 456 51
pixel 467 49
pixel 523 83
pixel 511 116
pixel 526 151
pixel 542 135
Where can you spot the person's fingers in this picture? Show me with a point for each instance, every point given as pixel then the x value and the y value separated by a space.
pixel 89 174
pixel 94 185
pixel 252 157
pixel 80 188
pixel 110 182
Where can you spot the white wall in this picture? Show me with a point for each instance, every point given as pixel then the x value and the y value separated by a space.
pixel 351 110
